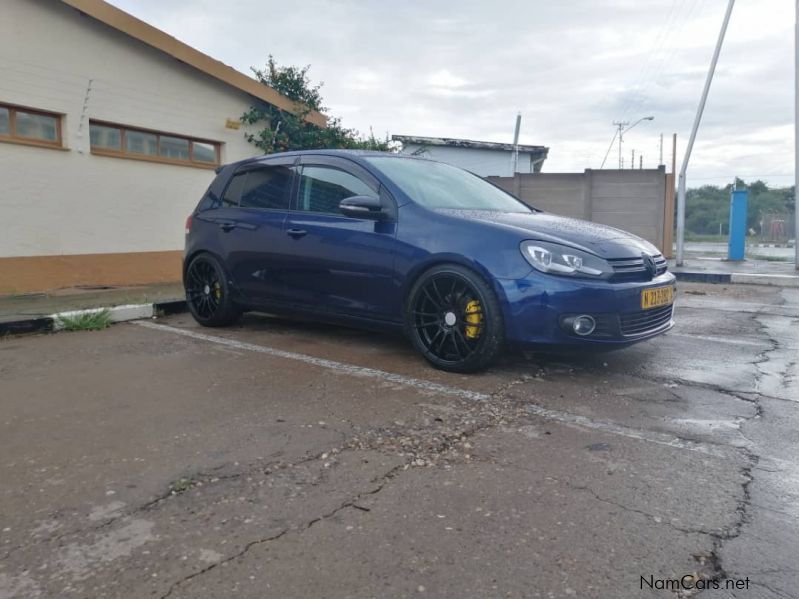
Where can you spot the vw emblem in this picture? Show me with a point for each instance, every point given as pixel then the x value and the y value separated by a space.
pixel 649 265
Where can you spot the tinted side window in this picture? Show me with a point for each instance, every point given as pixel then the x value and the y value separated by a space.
pixel 233 191
pixel 267 187
pixel 322 188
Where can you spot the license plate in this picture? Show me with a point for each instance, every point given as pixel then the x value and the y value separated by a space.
pixel 656 297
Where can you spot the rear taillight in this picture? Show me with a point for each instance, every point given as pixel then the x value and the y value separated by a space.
pixel 188 224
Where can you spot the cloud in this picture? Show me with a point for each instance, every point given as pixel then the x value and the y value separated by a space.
pixel 572 68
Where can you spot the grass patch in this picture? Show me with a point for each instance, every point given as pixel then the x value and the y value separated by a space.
pixel 769 258
pixel 90 321
pixel 705 237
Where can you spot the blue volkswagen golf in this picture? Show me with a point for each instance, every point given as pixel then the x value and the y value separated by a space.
pixel 389 241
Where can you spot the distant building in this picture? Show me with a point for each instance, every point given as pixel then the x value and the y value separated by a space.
pixel 110 131
pixel 484 158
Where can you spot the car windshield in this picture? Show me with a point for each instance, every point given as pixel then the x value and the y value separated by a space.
pixel 438 185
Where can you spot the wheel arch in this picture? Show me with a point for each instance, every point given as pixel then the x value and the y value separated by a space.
pixel 191 256
pixel 441 260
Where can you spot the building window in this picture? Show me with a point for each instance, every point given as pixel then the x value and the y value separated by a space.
pixel 126 142
pixel 29 126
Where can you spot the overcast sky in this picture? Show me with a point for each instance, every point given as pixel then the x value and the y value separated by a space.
pixel 571 67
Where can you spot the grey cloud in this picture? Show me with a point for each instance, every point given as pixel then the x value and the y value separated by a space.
pixel 572 67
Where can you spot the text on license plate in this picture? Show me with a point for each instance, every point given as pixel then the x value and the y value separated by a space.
pixel 656 297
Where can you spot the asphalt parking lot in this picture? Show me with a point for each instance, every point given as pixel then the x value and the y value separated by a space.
pixel 287 459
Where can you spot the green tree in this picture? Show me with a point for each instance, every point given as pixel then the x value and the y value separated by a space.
pixel 282 131
pixel 708 206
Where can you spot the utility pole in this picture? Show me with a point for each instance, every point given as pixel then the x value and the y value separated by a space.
pixel 620 125
pixel 640 162
pixel 697 120
pixel 632 159
pixel 516 144
pixel 796 142
pixel 661 145
pixel 674 154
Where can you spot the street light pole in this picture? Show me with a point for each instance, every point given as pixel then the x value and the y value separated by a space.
pixel 697 120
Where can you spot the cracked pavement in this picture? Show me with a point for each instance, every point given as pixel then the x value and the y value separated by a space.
pixel 141 462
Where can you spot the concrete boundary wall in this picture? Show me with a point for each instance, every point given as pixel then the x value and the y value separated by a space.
pixel 634 200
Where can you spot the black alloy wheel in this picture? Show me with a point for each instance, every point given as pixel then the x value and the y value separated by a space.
pixel 208 293
pixel 454 320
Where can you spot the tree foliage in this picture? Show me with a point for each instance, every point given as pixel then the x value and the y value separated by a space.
pixel 708 206
pixel 281 131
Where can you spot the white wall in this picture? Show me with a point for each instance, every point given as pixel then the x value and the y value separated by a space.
pixel 486 163
pixel 69 201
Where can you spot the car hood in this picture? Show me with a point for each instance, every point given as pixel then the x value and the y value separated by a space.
pixel 602 240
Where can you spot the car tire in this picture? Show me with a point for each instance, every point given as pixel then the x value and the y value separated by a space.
pixel 454 319
pixel 209 293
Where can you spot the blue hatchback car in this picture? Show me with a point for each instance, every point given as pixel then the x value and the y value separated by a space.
pixel 390 241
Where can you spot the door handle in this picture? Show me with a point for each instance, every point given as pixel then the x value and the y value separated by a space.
pixel 227 227
pixel 296 233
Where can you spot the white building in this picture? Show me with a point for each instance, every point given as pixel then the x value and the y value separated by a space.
pixel 484 158
pixel 110 131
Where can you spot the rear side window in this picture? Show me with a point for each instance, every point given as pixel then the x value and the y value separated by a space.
pixel 322 188
pixel 267 187
pixel 233 191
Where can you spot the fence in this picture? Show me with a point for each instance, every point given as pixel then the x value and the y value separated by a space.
pixel 639 201
pixel 776 227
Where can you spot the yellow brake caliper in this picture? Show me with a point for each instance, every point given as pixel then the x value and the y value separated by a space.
pixel 218 290
pixel 474 318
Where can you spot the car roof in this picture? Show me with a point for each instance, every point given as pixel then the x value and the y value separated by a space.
pixel 355 155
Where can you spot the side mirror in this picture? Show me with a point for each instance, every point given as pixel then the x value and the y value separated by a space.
pixel 367 207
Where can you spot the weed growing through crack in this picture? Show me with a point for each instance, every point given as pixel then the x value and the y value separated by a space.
pixel 180 486
pixel 89 321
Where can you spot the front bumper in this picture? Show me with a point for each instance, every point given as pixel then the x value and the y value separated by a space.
pixel 535 306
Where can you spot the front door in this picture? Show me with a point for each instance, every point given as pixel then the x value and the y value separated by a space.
pixel 337 263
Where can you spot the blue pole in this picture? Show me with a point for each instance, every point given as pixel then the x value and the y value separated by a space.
pixel 737 240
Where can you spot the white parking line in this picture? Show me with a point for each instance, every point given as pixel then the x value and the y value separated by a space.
pixel 323 363
pixel 612 428
pixel 715 339
pixel 562 417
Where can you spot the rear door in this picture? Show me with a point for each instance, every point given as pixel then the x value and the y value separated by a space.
pixel 337 263
pixel 254 210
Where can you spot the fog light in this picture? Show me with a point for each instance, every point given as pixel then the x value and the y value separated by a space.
pixel 583 325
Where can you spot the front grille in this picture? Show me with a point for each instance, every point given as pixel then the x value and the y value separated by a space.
pixel 634 324
pixel 632 269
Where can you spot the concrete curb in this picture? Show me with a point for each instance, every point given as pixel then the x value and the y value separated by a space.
pixel 755 279
pixel 702 277
pixel 115 313
pixel 51 323
pixel 738 278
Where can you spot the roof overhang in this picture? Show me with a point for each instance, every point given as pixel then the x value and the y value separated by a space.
pixel 467 143
pixel 147 34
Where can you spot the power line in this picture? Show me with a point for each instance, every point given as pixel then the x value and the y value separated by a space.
pixel 656 46
pixel 643 95
pixel 660 57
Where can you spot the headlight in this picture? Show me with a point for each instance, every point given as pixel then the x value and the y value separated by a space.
pixel 563 260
